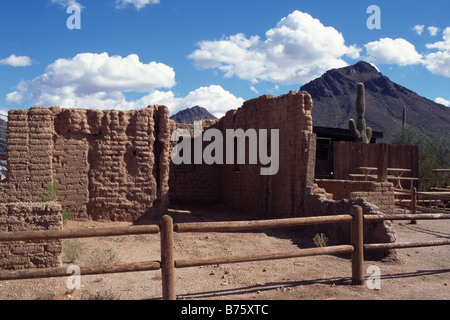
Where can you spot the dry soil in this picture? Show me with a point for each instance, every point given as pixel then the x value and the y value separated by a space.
pixel 417 274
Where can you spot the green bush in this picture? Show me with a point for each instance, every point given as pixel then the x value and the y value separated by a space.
pixel 52 192
pixel 72 249
pixel 66 215
pixel 434 151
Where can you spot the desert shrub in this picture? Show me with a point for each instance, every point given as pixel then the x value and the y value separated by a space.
pixel 320 240
pixel 104 295
pixel 66 215
pixel 102 256
pixel 72 249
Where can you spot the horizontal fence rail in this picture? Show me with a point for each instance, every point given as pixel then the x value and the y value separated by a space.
pixel 76 234
pixel 186 263
pixel 168 263
pixel 416 198
pixel 258 224
pixel 92 270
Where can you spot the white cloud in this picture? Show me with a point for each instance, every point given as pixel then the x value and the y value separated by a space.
pixel 90 74
pixel 419 29
pixel 439 62
pixel 390 51
pixel 433 31
pixel 298 49
pixel 14 97
pixel 99 81
pixel 66 3
pixel 442 101
pixel 16 61
pixel 214 98
pixel 138 4
pixel 254 89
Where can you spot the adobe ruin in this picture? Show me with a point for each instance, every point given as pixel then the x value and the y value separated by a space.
pixel 116 165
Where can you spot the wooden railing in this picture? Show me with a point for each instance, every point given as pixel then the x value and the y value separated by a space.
pixel 433 202
pixel 168 263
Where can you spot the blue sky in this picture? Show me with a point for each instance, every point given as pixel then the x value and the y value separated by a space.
pixel 132 53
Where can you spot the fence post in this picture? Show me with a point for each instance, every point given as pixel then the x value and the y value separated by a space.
pixel 413 203
pixel 358 246
pixel 382 162
pixel 167 259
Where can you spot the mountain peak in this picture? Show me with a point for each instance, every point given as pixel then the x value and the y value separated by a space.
pixel 363 66
pixel 334 96
pixel 191 115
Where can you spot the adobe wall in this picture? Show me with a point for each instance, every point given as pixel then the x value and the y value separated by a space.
pixel 30 217
pixel 380 194
pixel 282 194
pixel 195 183
pixel 242 186
pixel 320 202
pixel 111 165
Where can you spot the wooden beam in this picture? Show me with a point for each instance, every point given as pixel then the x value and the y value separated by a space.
pixel 63 271
pixel 418 216
pixel 258 224
pixel 404 245
pixel 187 263
pixel 80 233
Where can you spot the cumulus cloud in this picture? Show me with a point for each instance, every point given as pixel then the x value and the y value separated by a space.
pixel 16 61
pixel 433 31
pixel 101 81
pixel 442 101
pixel 298 49
pixel 419 29
pixel 138 4
pixel 439 62
pixel 393 51
pixel 90 74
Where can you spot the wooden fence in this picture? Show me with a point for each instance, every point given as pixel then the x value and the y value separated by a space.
pixel 433 202
pixel 349 156
pixel 168 263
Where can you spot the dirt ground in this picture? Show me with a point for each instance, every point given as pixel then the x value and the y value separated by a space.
pixel 417 274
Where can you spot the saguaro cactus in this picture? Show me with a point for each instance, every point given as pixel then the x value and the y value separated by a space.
pixel 404 116
pixel 359 130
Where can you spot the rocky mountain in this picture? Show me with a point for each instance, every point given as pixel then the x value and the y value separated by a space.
pixel 334 96
pixel 191 115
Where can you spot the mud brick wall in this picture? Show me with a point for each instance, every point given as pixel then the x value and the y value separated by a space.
pixel 29 150
pixel 282 194
pixel 30 217
pixel 195 184
pixel 380 194
pixel 110 165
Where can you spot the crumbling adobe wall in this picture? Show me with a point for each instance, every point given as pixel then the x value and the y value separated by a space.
pixel 282 194
pixel 380 194
pixel 29 151
pixel 319 202
pixel 111 165
pixel 30 217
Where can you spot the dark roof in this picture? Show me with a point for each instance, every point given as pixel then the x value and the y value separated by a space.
pixel 337 134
